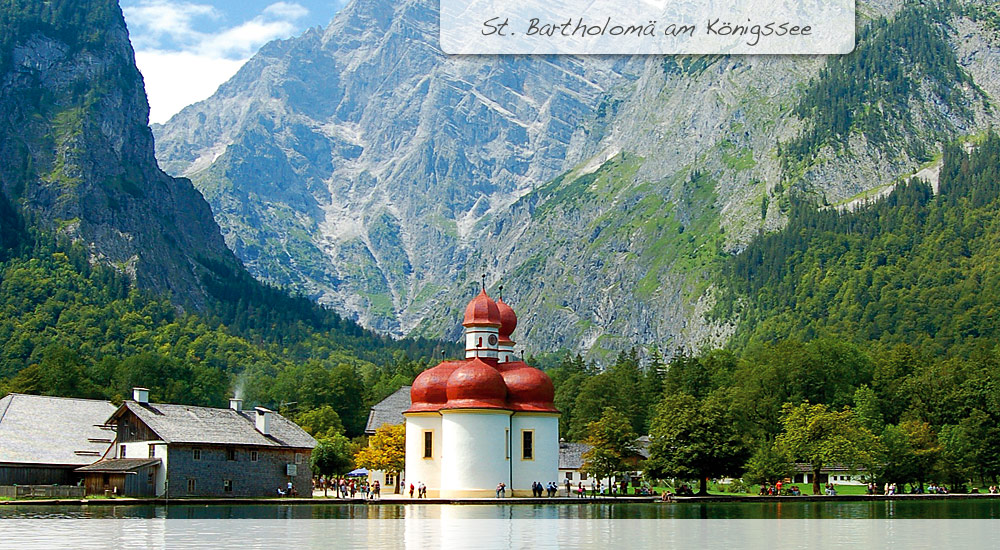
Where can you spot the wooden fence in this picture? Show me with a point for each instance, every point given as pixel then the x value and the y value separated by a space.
pixel 41 491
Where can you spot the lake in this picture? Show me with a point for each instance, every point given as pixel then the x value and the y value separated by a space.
pixel 628 526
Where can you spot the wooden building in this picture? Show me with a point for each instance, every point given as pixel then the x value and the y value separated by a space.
pixel 134 477
pixel 44 439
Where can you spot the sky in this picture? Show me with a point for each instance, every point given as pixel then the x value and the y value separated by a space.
pixel 186 49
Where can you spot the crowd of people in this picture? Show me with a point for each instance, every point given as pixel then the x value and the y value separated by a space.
pixel 781 488
pixel 347 488
pixel 350 488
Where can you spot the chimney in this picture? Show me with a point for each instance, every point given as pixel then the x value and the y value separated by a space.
pixel 236 403
pixel 263 420
pixel 140 395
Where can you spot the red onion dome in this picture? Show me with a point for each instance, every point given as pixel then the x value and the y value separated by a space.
pixel 528 388
pixel 476 385
pixel 508 320
pixel 482 310
pixel 429 390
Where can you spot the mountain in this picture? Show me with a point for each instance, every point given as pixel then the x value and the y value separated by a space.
pixel 358 163
pixel 114 274
pixel 77 154
pixel 366 169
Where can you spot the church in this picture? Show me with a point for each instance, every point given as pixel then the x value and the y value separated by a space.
pixel 485 420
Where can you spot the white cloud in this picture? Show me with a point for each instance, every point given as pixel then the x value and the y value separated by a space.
pixel 177 79
pixel 182 61
pixel 244 40
pixel 286 10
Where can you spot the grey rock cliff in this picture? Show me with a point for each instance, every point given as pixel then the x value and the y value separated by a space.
pixel 77 153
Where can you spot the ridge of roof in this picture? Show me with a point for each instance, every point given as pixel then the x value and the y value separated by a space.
pixel 177 423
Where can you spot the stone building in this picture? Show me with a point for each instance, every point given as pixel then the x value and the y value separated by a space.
pixel 186 451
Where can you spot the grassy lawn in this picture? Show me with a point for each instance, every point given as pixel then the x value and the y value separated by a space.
pixel 806 488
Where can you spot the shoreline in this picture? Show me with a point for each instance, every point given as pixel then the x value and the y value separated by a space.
pixel 394 500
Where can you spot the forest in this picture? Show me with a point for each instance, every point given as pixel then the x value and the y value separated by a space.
pixel 76 329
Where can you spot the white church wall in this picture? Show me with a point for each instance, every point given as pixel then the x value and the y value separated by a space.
pixel 418 468
pixel 544 463
pixel 474 452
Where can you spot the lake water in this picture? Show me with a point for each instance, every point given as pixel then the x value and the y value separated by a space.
pixel 952 523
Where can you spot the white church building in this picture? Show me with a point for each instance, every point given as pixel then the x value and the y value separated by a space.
pixel 484 420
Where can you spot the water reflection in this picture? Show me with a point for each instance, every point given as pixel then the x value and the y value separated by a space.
pixel 981 508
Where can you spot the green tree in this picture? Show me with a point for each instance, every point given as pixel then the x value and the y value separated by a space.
pixel 593 399
pixel 613 445
pixel 818 436
pixel 695 440
pixel 321 423
pixel 767 466
pixel 386 451
pixel 911 452
pixel 333 457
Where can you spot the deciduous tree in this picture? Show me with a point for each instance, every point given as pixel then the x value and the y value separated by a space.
pixel 333 456
pixel 692 440
pixel 818 436
pixel 386 451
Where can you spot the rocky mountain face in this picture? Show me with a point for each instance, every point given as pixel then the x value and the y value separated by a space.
pixel 362 166
pixel 77 154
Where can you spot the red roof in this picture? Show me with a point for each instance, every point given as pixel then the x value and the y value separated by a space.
pixel 482 311
pixel 481 383
pixel 508 321
pixel 476 385
pixel 528 388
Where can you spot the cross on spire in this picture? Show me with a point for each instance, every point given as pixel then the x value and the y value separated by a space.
pixel 484 282
pixel 500 290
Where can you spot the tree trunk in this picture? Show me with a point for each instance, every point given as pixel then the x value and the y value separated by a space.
pixel 816 490
pixel 703 487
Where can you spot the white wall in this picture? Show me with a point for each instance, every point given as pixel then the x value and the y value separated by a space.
pixel 475 335
pixel 160 451
pixel 473 459
pixel 418 468
pixel 544 467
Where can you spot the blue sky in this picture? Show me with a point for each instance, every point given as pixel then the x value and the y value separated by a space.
pixel 187 48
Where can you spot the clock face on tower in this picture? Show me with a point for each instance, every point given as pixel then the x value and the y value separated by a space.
pixel 493 339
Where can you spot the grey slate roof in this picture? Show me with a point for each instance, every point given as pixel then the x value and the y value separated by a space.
pixel 571 455
pixel 191 424
pixel 118 465
pixel 389 410
pixel 58 431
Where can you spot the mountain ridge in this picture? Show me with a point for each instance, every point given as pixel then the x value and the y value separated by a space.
pixel 691 150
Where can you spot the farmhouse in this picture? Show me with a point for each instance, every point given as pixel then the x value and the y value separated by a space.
pixel 187 451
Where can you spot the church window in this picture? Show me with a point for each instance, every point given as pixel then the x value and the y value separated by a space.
pixel 527 444
pixel 428 443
